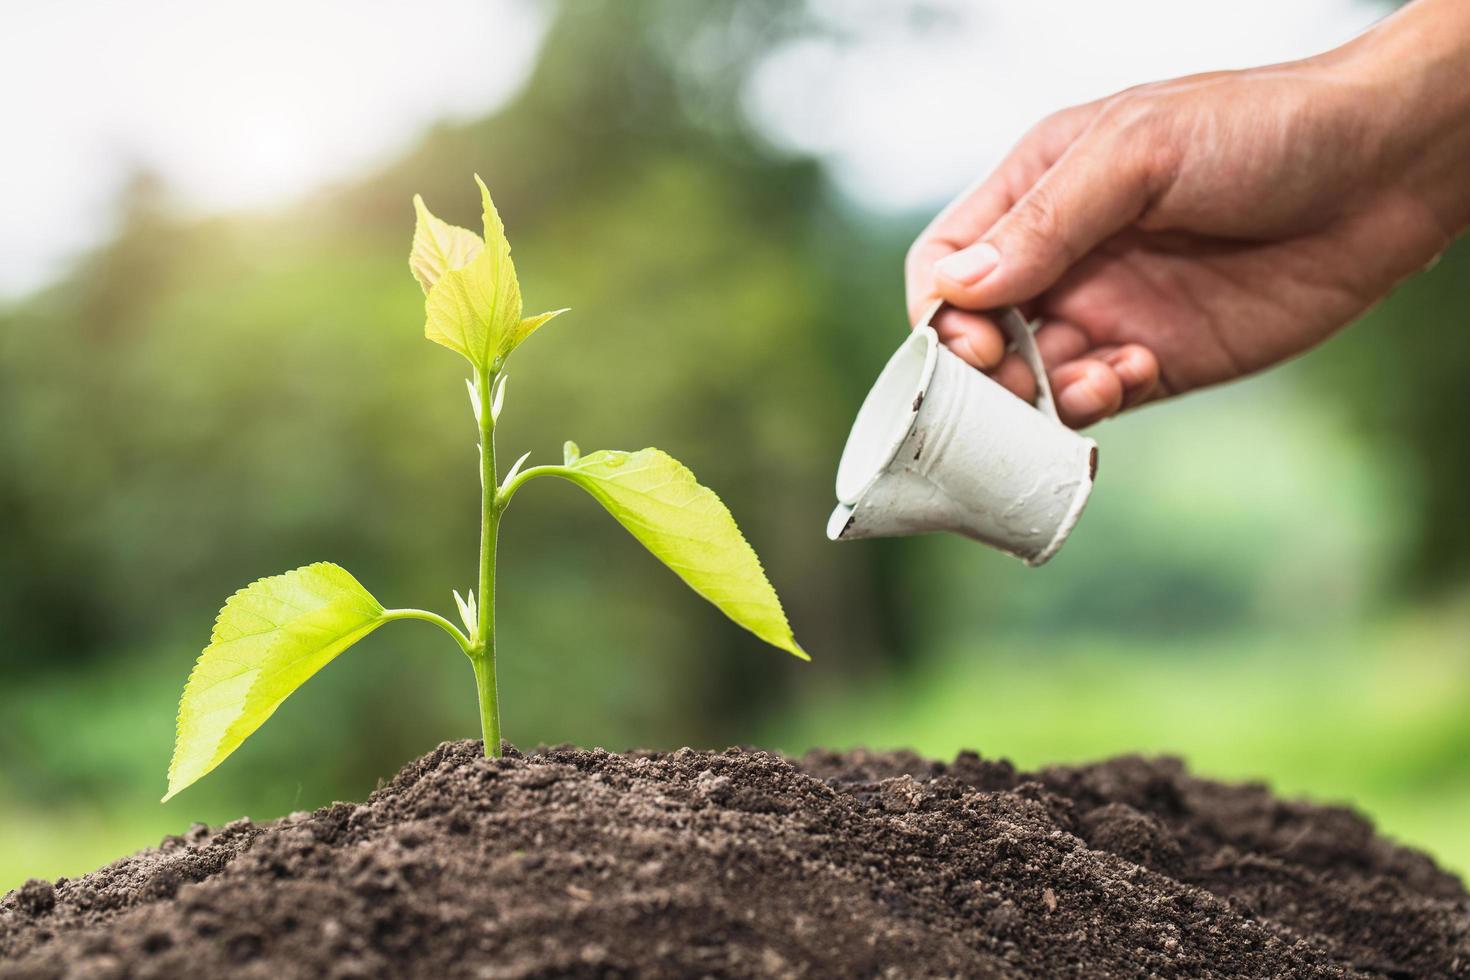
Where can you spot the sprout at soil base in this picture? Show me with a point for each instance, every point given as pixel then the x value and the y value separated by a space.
pixel 277 632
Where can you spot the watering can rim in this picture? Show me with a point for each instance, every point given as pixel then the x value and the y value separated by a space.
pixel 925 334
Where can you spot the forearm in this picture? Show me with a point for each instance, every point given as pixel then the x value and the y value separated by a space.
pixel 1416 65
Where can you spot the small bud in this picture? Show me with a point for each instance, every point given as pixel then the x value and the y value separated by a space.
pixel 474 397
pixel 467 611
pixel 515 468
pixel 497 398
pixel 570 453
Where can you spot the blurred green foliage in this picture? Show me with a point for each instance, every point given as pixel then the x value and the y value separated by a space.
pixel 1271 578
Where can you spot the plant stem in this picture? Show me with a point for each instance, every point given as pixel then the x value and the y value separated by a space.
pixel 483 649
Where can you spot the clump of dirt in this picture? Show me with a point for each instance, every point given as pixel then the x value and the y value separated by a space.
pixel 573 863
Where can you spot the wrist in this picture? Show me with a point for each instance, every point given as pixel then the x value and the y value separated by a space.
pixel 1410 79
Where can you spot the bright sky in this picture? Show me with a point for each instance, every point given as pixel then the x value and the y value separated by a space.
pixel 245 103
pixel 908 121
pixel 234 102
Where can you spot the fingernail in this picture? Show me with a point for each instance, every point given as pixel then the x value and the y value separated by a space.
pixel 961 345
pixel 1080 400
pixel 1123 364
pixel 969 265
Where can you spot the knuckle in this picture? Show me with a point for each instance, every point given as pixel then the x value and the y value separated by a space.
pixel 1131 114
pixel 1050 122
pixel 1041 223
pixel 1115 109
pixel 1139 129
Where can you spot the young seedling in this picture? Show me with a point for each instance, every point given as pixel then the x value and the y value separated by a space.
pixel 275 633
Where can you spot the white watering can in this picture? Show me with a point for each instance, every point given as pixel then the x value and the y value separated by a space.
pixel 939 446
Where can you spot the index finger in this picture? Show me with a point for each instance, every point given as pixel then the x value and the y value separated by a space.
pixel 970 215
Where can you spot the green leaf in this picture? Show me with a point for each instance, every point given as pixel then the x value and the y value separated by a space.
pixel 269 638
pixel 476 309
pixel 531 324
pixel 472 310
pixel 438 246
pixel 690 530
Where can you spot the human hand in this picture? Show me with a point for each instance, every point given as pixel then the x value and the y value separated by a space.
pixel 1189 232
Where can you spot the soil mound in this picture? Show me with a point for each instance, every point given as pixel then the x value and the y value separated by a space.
pixel 573 863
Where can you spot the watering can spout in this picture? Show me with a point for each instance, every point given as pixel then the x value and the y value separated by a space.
pixel 840 523
pixel 902 502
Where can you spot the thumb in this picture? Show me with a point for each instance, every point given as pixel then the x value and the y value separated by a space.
pixel 1088 195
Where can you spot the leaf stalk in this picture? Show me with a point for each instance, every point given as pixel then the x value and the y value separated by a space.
pixel 516 482
pixel 465 643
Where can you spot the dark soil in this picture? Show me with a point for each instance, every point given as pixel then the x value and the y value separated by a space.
pixel 570 863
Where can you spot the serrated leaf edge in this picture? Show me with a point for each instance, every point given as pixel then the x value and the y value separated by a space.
pixel 588 483
pixel 214 637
